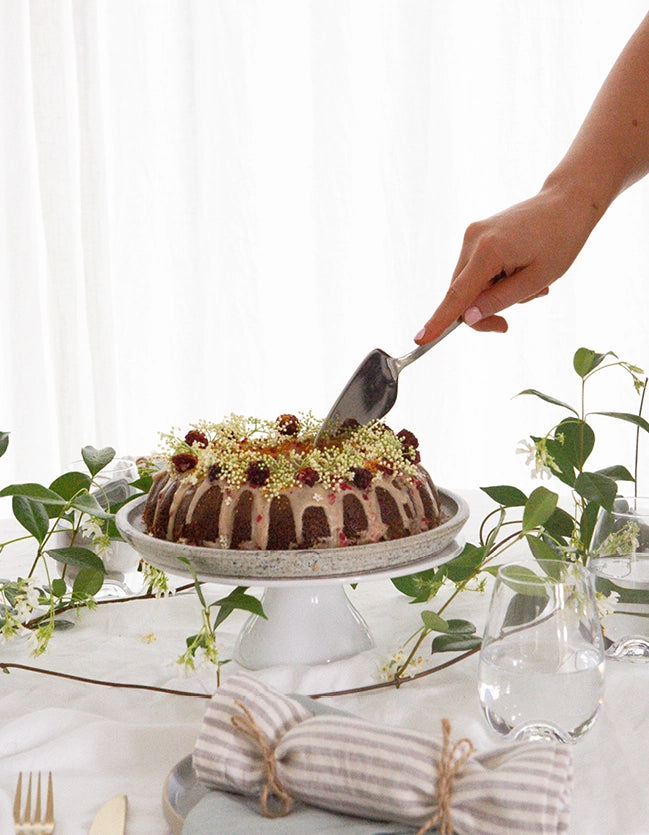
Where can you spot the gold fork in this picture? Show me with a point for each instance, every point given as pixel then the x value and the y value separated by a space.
pixel 29 822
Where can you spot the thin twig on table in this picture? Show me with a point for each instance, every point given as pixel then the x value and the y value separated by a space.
pixel 6 667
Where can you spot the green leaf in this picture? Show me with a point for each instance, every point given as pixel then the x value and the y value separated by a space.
pixel 597 488
pixel 560 524
pixel 578 440
pixel 89 504
pixel 506 496
pixel 69 484
pixel 32 516
pixel 539 508
pixel 525 608
pixel 586 360
pixel 433 622
pixel 33 491
pixel 587 524
pixel 4 442
pixel 460 627
pixel 76 555
pixel 422 586
pixel 455 643
pixel 97 459
pixel 617 472
pixel 630 418
pixel 549 399
pixel 524 581
pixel 566 470
pixel 87 582
pixel 541 549
pixel 142 483
pixel 237 599
pixel 628 596
pixel 465 564
pixel 59 587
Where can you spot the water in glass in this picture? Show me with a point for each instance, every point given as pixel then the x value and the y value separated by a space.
pixel 541 667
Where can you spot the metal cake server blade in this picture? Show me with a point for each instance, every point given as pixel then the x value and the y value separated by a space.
pixel 111 817
pixel 372 390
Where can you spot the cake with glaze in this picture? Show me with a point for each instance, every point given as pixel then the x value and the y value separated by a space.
pixel 252 484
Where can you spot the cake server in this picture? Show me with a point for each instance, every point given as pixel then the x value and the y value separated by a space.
pixel 372 389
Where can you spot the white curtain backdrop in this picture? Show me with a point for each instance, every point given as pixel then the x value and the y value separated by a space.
pixel 215 207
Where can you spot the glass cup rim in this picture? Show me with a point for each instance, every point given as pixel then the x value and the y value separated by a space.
pixel 569 572
pixel 641 507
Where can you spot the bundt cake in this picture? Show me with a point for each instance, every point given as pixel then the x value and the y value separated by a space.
pixel 252 484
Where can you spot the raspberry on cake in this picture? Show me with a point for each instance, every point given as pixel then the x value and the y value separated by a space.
pixel 249 484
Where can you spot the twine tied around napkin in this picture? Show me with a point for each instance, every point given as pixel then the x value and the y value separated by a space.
pixel 290 749
pixel 451 763
pixel 245 723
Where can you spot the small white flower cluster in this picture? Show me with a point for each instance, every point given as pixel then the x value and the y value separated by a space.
pixel 20 601
pixel 388 669
pixel 156 581
pixel 200 655
pixel 622 541
pixel 92 530
pixel 538 458
pixel 26 600
pixel 606 604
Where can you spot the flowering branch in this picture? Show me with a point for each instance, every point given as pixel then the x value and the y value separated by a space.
pixel 549 531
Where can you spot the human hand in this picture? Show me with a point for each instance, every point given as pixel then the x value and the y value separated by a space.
pixel 513 257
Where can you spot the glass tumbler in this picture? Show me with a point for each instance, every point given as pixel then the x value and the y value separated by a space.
pixel 619 559
pixel 541 671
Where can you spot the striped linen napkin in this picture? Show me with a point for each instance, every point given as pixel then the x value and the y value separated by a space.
pixel 259 742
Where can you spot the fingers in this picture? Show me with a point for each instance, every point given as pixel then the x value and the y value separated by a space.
pixel 478 267
pixel 460 302
pixel 492 324
pixel 540 294
pixel 479 310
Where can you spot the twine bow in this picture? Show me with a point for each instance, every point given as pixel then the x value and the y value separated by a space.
pixel 245 723
pixel 451 762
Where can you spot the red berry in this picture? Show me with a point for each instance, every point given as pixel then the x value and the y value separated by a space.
pixel 307 476
pixel 184 461
pixel 350 423
pixel 196 437
pixel 258 473
pixel 214 472
pixel 407 439
pixel 362 477
pixel 288 424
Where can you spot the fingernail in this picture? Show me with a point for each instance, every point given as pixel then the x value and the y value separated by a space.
pixel 472 315
pixel 420 335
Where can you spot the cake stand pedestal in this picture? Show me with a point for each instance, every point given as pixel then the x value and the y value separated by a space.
pixel 313 621
pixel 304 625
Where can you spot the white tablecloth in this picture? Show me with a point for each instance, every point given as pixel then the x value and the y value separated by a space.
pixel 101 741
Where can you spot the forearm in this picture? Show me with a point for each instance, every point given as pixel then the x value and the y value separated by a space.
pixel 611 149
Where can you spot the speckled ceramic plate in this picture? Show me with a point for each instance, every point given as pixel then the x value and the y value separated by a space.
pixel 357 560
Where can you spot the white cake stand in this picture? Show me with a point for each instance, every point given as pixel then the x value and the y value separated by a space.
pixel 310 619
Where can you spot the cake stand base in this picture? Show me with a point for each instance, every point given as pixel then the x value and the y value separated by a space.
pixel 305 625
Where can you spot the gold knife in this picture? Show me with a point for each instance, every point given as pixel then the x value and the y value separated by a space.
pixel 111 817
